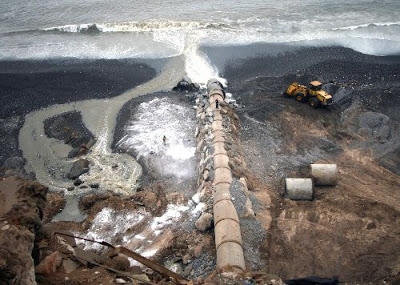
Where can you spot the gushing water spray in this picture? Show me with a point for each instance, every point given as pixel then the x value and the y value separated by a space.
pixel 197 64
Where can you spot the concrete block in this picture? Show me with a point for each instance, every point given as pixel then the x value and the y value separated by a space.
pixel 217 126
pixel 217 115
pixel 221 161
pixel 219 148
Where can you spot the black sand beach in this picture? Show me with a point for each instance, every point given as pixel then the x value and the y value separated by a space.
pixel 29 85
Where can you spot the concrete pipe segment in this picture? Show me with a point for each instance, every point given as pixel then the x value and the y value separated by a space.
pixel 299 188
pixel 215 85
pixel 324 174
pixel 228 237
pixel 221 192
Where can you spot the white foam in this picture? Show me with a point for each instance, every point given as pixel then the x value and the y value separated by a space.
pixel 109 224
pixel 173 213
pixel 114 226
pixel 139 26
pixel 154 120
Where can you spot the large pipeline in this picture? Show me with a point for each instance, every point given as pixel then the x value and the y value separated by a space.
pixel 228 238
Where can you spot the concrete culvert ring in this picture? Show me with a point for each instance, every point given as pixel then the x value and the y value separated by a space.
pixel 299 188
pixel 324 174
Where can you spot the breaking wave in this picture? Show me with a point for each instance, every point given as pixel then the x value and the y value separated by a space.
pixel 150 26
pixel 370 25
pixel 167 38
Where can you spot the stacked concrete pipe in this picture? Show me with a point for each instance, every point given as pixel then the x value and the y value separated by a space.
pixel 228 238
pixel 303 188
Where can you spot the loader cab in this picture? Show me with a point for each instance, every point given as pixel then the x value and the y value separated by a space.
pixel 315 85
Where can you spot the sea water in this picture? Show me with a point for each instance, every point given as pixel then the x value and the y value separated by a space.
pixel 132 28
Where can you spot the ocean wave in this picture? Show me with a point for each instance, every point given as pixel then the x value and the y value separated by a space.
pixel 150 26
pixel 369 25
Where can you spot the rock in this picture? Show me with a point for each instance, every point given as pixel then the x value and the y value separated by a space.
pixel 50 264
pixel 21 206
pixel 16 262
pixel 186 259
pixel 204 222
pixel 14 166
pixel 69 128
pixel 206 175
pixel 94 185
pixel 372 120
pixel 187 270
pixel 248 210
pixel 119 262
pixel 78 182
pixel 198 250
pixel 69 265
pixel 186 85
pixel 91 29
pixel 78 168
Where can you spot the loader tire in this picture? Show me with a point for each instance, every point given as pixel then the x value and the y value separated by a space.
pixel 300 97
pixel 314 103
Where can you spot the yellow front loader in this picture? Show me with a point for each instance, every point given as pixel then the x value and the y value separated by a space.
pixel 313 94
